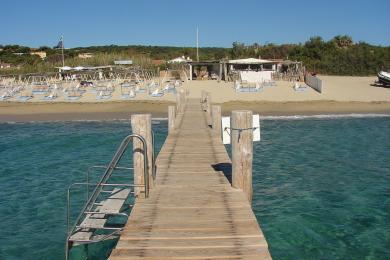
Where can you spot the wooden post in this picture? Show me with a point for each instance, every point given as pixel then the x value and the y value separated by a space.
pixel 202 99
pixel 178 103
pixel 141 124
pixel 208 103
pixel 225 72
pixel 216 118
pixel 182 98
pixel 158 75
pixel 220 72
pixel 241 135
pixel 171 118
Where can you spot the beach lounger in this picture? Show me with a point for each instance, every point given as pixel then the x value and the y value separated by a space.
pixel 40 89
pixel 248 88
pixel 157 93
pixel 51 96
pixel 72 98
pixel 25 97
pixel 72 95
pixel 103 95
pixel 6 95
pixel 130 94
pixel 269 83
pixel 170 87
pixel 300 88
pixel 139 89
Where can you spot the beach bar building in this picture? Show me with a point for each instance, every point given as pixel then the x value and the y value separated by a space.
pixel 201 70
pixel 250 69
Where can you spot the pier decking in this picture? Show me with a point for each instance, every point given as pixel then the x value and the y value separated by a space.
pixel 192 212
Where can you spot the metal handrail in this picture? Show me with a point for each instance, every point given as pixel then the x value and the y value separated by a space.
pixel 103 167
pixel 107 174
pixel 153 157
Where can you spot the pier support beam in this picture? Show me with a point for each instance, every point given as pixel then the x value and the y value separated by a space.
pixel 216 119
pixel 241 135
pixel 171 118
pixel 142 124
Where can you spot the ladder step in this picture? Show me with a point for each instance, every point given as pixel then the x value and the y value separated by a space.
pixel 81 236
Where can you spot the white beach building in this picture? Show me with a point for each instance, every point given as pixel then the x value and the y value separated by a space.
pixel 181 59
pixel 252 70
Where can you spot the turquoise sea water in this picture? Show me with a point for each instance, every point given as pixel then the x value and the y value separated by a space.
pixel 321 186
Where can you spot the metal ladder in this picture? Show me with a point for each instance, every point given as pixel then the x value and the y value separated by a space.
pixel 90 225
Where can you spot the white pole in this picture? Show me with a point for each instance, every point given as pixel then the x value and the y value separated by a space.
pixel 62 48
pixel 197 43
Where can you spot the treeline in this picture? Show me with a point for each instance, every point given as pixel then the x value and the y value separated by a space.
pixel 161 52
pixel 338 56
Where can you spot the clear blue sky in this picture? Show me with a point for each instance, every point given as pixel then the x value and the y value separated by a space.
pixel 173 22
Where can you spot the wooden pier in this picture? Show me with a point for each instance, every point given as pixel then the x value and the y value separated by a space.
pixel 192 211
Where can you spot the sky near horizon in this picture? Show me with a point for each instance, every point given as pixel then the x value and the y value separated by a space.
pixel 174 22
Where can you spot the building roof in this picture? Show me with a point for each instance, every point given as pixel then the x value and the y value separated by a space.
pixel 123 62
pixel 179 60
pixel 250 61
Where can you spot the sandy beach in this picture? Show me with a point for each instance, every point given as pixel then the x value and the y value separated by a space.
pixel 342 95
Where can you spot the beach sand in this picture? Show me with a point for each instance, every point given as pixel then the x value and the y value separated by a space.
pixel 342 95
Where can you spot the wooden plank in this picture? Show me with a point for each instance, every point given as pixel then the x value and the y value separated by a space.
pixel 193 212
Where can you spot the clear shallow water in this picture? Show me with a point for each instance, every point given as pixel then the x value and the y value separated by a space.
pixel 39 161
pixel 321 187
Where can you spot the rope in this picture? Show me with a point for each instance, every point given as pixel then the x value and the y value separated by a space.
pixel 239 130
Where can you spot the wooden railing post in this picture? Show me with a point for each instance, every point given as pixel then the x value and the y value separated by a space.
pixel 171 118
pixel 216 118
pixel 203 100
pixel 241 135
pixel 208 103
pixel 141 124
pixel 180 101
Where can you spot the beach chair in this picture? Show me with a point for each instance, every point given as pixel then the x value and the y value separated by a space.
pixel 237 85
pixel 72 94
pixel 258 87
pixel 299 88
pixel 5 95
pixel 170 87
pixel 157 93
pixel 103 95
pixel 177 83
pixel 51 96
pixel 249 87
pixel 40 89
pixel 26 95
pixel 269 83
pixel 140 89
pixel 130 93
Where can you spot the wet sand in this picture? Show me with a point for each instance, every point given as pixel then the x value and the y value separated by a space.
pixel 20 112
pixel 17 112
